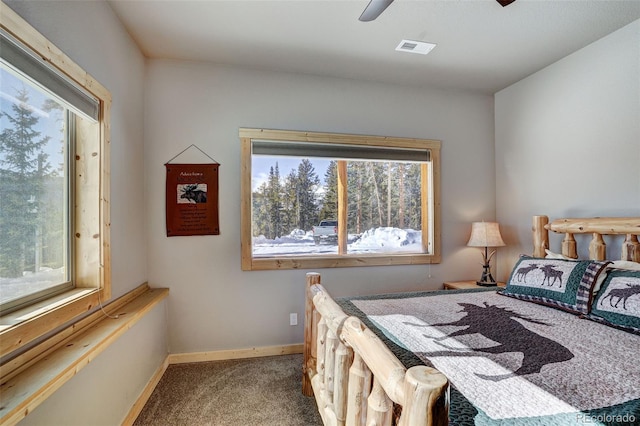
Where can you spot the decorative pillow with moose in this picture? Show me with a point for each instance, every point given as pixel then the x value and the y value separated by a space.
pixel 618 301
pixel 559 283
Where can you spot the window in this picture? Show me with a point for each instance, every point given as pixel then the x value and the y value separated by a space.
pixel 332 200
pixel 54 217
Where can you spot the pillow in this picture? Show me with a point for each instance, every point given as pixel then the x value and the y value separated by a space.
pixel 559 283
pixel 616 264
pixel 552 255
pixel 618 302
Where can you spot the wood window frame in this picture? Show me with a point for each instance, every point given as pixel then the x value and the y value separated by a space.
pixel 91 234
pixel 430 203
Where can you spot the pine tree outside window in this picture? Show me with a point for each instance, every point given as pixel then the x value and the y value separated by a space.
pixel 380 193
pixel 35 148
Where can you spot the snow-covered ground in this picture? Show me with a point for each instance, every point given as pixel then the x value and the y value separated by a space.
pixel 375 240
pixel 30 282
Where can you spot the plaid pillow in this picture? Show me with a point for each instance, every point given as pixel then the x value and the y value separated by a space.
pixel 559 283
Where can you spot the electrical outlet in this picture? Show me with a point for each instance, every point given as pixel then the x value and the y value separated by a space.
pixel 293 319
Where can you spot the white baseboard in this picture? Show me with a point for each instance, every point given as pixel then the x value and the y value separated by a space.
pixel 235 354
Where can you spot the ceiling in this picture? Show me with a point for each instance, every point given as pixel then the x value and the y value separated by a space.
pixel 481 46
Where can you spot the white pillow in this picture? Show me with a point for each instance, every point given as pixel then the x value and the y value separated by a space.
pixel 624 264
pixel 552 255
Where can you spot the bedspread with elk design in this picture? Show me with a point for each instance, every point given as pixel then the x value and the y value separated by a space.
pixel 510 361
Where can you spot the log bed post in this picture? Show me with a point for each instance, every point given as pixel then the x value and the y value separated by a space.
pixel 430 402
pixel 540 235
pixel 569 246
pixel 597 247
pixel 379 407
pixel 359 390
pixel 631 248
pixel 309 358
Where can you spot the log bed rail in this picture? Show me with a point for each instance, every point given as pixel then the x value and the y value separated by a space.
pixel 356 379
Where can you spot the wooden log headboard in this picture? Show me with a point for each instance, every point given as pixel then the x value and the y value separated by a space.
pixel 597 226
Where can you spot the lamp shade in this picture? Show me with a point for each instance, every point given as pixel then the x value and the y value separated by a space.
pixel 485 234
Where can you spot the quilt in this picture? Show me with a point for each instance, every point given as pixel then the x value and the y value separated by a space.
pixel 511 362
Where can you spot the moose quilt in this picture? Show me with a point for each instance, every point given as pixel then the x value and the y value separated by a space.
pixel 510 361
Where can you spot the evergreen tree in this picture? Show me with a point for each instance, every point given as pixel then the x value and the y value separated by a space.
pixel 329 208
pixel 359 193
pixel 260 220
pixel 290 205
pixel 308 182
pixel 413 196
pixel 376 178
pixel 274 202
pixel 23 170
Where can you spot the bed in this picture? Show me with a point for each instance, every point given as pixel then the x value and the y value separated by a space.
pixel 558 345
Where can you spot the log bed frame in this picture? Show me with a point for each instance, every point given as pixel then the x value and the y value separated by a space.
pixel 357 380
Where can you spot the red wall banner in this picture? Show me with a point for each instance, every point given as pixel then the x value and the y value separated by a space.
pixel 192 199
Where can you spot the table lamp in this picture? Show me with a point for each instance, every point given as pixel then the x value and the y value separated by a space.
pixel 486 234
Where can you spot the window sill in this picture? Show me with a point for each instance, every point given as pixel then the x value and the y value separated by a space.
pixel 33 376
pixel 328 261
pixel 21 327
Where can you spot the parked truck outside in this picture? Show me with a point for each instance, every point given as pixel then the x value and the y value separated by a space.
pixel 326 232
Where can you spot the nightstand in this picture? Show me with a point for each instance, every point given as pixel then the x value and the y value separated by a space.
pixel 459 285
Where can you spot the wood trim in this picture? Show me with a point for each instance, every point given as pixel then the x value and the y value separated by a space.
pixel 105 198
pixel 22 327
pixel 245 204
pixel 144 396
pixel 424 206
pixel 342 207
pixel 338 138
pixel 33 355
pixel 301 262
pixel 436 194
pixel 27 389
pixel 235 354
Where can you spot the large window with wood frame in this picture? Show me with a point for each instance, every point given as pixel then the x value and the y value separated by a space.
pixel 332 200
pixel 54 181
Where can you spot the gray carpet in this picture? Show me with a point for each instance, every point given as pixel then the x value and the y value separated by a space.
pixel 256 391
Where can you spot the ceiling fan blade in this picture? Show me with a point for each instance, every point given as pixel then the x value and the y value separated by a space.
pixel 504 3
pixel 374 9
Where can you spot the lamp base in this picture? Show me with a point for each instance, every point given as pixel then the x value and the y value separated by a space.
pixel 486 280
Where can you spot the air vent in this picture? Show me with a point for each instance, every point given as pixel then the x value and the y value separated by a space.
pixel 413 46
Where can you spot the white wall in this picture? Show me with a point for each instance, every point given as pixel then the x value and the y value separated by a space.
pixel 94 38
pixel 568 141
pixel 213 305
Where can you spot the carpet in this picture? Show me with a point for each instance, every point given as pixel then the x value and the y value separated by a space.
pixel 254 391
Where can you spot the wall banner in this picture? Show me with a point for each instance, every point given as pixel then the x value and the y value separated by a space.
pixel 192 199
